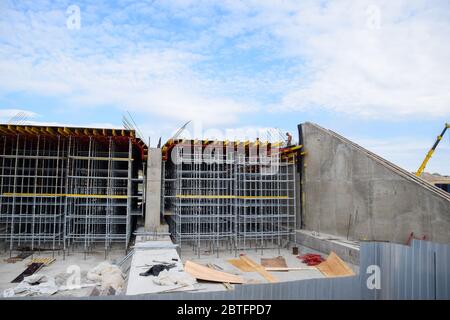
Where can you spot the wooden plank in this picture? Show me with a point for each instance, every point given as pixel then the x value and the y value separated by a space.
pixel 45 261
pixel 227 285
pixel 31 269
pixel 278 262
pixel 259 268
pixel 204 273
pixel 241 265
pixel 335 267
pixel 289 268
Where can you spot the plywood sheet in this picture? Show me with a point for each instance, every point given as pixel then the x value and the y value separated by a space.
pixel 204 273
pixel 335 267
pixel 278 262
pixel 241 265
pixel 259 268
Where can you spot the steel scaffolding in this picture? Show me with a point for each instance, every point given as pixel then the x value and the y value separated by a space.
pixel 68 191
pixel 235 202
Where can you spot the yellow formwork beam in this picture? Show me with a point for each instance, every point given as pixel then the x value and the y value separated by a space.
pixel 20 129
pixel 69 195
pixel 2 130
pixel 49 130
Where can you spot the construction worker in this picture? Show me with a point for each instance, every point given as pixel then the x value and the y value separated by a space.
pixel 289 139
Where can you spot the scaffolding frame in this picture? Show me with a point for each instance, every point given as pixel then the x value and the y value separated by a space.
pixel 62 191
pixel 235 202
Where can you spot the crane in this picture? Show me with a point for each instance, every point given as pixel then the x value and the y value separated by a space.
pixel 430 153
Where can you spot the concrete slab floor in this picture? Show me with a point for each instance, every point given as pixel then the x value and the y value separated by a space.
pixel 58 269
pixel 254 277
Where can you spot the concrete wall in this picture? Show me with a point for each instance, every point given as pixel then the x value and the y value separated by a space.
pixel 153 190
pixel 349 190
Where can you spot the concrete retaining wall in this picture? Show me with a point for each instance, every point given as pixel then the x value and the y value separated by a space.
pixel 351 191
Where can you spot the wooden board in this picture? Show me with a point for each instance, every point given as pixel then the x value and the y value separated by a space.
pixel 278 262
pixel 241 265
pixel 227 285
pixel 204 273
pixel 45 261
pixel 31 269
pixel 335 267
pixel 259 268
pixel 289 269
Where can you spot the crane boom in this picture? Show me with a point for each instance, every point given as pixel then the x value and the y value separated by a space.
pixel 430 153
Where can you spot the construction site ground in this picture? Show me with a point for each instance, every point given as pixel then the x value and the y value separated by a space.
pixel 61 269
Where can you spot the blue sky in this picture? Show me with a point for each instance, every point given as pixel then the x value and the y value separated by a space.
pixel 377 72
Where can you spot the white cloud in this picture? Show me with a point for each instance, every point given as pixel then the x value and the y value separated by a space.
pixel 400 69
pixel 409 152
pixel 383 59
pixel 87 69
pixel 314 56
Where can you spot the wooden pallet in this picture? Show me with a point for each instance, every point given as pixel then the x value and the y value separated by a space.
pixel 44 261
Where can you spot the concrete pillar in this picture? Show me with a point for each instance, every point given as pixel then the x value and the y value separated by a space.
pixel 153 191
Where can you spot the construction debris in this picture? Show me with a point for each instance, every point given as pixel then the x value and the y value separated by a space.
pixel 33 285
pixel 20 257
pixel 258 268
pixel 290 268
pixel 204 273
pixel 166 278
pixel 44 261
pixel 278 262
pixel 110 291
pixel 335 267
pixel 107 275
pixel 156 269
pixel 311 259
pixel 241 265
pixel 412 236
pixel 227 285
pixel 31 269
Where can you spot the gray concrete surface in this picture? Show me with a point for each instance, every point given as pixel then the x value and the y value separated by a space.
pixel 347 250
pixel 153 190
pixel 348 190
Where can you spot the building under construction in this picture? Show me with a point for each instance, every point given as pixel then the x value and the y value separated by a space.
pixel 76 188
pixel 85 191
pixel 64 188
pixel 230 195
